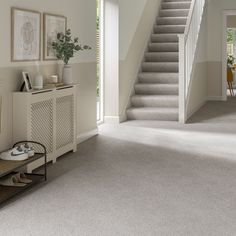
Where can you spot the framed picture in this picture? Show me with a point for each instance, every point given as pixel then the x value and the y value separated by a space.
pixel 52 25
pixel 27 81
pixel 25 35
pixel 0 113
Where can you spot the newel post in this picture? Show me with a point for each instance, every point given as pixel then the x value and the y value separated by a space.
pixel 182 79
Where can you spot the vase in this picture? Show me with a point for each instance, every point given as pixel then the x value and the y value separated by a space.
pixel 67 75
pixel 38 82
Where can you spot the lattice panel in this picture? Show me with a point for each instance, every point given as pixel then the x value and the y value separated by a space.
pixel 42 123
pixel 65 120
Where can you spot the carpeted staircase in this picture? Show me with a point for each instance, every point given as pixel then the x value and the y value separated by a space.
pixel 156 93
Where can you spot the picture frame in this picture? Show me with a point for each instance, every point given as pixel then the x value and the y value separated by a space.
pixel 25 35
pixel 0 113
pixel 52 25
pixel 27 81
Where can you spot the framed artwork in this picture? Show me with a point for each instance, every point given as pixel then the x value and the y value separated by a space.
pixel 52 25
pixel 27 81
pixel 25 35
pixel 0 113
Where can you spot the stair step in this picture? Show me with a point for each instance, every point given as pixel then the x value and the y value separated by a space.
pixel 160 67
pixel 157 89
pixel 174 12
pixel 176 5
pixel 161 78
pixel 167 29
pixel 164 38
pixel 153 113
pixel 171 20
pixel 162 57
pixel 177 1
pixel 155 101
pixel 163 47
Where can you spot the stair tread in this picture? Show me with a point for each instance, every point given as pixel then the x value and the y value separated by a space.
pixel 155 109
pixel 156 96
pixel 156 85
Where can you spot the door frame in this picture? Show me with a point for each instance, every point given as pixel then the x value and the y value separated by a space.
pixel 224 51
pixel 101 60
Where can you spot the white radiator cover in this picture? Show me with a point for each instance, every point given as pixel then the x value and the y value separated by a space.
pixel 49 117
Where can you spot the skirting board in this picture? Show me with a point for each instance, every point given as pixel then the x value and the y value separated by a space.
pixel 196 109
pixel 215 98
pixel 87 135
pixel 115 120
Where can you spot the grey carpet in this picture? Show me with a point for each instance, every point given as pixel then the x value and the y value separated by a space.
pixel 139 178
pixel 156 91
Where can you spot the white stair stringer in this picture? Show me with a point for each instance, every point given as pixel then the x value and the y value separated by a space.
pixel 156 92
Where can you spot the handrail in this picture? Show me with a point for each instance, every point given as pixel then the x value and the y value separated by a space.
pixel 190 17
pixel 187 50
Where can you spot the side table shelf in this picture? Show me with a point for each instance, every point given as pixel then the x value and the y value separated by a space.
pixel 8 168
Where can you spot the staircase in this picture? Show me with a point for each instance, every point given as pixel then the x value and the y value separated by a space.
pixel 156 93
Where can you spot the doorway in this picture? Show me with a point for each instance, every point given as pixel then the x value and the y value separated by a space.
pixel 229 55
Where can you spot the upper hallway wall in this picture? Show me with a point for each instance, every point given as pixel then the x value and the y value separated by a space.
pixel 130 14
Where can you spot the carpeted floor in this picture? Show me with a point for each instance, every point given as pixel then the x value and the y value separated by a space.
pixel 139 178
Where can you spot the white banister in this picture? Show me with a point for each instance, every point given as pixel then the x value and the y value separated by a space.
pixel 187 49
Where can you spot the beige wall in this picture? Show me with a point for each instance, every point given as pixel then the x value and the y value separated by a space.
pixel 231 21
pixel 130 65
pixel 129 17
pixel 81 19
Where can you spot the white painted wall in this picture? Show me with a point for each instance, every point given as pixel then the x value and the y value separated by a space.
pixel 81 16
pixel 130 14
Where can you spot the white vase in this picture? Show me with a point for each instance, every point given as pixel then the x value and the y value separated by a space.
pixel 67 74
pixel 38 82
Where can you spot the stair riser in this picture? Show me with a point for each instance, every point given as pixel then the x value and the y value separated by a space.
pixel 152 116
pixel 156 90
pixel 171 21
pixel 162 38
pixel 169 29
pixel 162 57
pixel 158 79
pixel 153 102
pixel 161 47
pixel 175 5
pixel 177 1
pixel 172 13
pixel 164 67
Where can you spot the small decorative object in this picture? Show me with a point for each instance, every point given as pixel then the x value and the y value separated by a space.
pixel 38 82
pixel 65 46
pixel 54 79
pixel 25 38
pixel 53 24
pixel 27 82
pixel 230 61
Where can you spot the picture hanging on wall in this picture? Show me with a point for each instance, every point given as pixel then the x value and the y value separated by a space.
pixel 25 36
pixel 52 24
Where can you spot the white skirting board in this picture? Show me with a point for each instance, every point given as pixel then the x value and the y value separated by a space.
pixel 87 135
pixel 196 109
pixel 114 120
pixel 215 98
